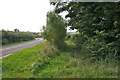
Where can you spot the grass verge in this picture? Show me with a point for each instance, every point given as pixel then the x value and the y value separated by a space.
pixel 71 64
pixel 18 64
pixel 45 61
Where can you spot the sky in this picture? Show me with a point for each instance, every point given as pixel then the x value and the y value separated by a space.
pixel 25 15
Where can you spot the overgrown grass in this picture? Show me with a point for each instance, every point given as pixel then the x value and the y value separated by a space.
pixel 45 61
pixel 15 43
pixel 71 64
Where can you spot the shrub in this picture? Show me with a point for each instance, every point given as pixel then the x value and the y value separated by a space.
pixel 99 50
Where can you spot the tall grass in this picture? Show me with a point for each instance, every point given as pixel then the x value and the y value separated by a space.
pixel 71 64
pixel 45 61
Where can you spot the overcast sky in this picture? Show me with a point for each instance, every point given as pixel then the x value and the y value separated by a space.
pixel 25 15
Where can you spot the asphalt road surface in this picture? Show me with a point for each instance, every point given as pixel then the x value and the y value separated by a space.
pixel 5 51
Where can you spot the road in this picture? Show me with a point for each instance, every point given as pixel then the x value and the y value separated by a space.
pixel 5 51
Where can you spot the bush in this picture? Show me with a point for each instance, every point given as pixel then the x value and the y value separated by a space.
pixel 79 40
pixel 96 47
pixel 99 50
pixel 68 36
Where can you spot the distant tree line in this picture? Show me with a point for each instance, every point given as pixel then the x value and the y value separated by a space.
pixel 15 36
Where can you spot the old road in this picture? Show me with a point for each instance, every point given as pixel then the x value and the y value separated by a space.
pixel 5 51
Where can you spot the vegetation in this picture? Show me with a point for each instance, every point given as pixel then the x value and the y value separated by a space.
pixel 9 37
pixel 71 64
pixel 19 64
pixel 98 38
pixel 37 34
pixel 55 30
pixel 91 53
pixel 98 26
pixel 44 61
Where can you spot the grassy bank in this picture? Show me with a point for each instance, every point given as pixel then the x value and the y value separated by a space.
pixel 15 43
pixel 71 64
pixel 18 64
pixel 45 61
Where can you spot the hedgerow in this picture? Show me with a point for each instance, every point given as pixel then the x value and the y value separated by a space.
pixel 12 37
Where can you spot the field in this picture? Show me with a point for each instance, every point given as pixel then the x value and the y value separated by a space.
pixel 44 61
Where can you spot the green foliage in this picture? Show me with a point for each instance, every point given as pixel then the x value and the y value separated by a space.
pixel 78 39
pixel 95 47
pixel 99 50
pixel 37 34
pixel 44 61
pixel 70 64
pixel 98 25
pixel 12 37
pixel 67 37
pixel 89 17
pixel 55 30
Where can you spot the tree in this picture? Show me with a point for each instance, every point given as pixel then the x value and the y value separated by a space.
pixel 55 30
pixel 89 17
pixel 100 22
pixel 16 30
